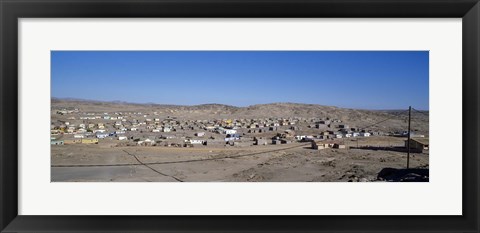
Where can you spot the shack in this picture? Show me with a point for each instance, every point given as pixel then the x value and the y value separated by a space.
pixel 417 144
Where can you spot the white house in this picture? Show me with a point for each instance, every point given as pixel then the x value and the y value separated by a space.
pixel 229 131
pixel 102 135
pixel 194 141
pixel 365 134
pixel 300 137
pixel 81 130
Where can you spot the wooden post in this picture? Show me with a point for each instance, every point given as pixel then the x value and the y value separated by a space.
pixel 408 142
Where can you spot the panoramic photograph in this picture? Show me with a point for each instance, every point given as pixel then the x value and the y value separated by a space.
pixel 239 116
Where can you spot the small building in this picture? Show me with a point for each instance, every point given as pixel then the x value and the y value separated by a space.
pixel 365 134
pixel 90 141
pixel 149 142
pixel 230 131
pixel 56 142
pixel 122 138
pixel 339 146
pixel 417 144
pixel 200 134
pixel 318 145
pixel 72 141
pixel 79 136
pixel 285 141
pixel 324 122
pixel 102 135
pixel 260 141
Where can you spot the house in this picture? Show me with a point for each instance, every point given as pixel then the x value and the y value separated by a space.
pixel 149 142
pixel 285 141
pixel 324 122
pixel 102 135
pixel 72 141
pixel 365 134
pixel 190 142
pixel 200 134
pixel 90 141
pixel 231 137
pixel 300 137
pixel 339 146
pixel 56 142
pixel 230 131
pixel 276 142
pixel 319 145
pixel 418 144
pixel 260 141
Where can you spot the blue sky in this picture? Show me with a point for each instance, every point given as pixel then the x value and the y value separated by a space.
pixel 351 79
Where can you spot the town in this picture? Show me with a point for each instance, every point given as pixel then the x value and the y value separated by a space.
pixel 151 129
pixel 104 141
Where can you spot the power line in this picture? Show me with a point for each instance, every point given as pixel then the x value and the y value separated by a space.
pixel 424 113
pixel 384 120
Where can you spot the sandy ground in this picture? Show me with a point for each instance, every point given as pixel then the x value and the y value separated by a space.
pixel 294 162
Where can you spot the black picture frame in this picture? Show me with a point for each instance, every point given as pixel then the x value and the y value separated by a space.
pixel 11 11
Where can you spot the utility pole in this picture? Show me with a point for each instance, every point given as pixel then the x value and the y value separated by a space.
pixel 408 142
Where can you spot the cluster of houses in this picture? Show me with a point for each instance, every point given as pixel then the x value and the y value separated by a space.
pixel 150 129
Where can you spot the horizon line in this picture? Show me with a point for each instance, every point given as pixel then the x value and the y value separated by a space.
pixel 230 105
